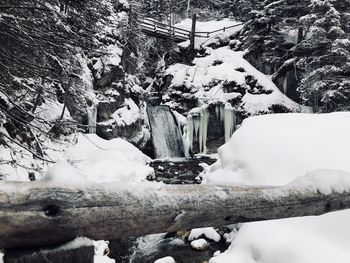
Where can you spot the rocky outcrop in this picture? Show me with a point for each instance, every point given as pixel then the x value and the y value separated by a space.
pixel 287 79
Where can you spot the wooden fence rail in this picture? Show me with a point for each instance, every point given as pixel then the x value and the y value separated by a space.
pixel 40 213
pixel 156 28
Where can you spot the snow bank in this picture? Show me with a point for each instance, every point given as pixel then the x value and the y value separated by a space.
pixel 98 160
pixel 322 239
pixel 278 149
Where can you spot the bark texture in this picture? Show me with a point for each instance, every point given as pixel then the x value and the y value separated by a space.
pixel 40 213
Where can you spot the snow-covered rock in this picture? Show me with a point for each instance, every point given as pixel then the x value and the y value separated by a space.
pixel 199 244
pixel 207 232
pixel 165 260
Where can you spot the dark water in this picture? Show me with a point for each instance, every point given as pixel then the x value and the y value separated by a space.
pixel 180 171
pixel 147 249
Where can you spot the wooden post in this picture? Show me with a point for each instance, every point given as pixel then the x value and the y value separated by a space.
pixel 193 35
pixel 42 213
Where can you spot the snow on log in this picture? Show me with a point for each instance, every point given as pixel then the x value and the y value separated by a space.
pixel 41 213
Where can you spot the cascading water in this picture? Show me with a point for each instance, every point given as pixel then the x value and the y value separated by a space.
pixel 166 134
pixel 92 118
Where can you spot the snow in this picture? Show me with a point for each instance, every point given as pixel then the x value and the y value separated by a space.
pixel 323 181
pixel 101 247
pixel 217 253
pixel 199 244
pixel 204 72
pixel 128 114
pixel 275 149
pixel 320 239
pixel 100 161
pixel 165 260
pixel 74 244
pixel 303 152
pixel 207 232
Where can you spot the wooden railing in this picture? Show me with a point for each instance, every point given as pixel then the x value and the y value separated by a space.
pixel 154 27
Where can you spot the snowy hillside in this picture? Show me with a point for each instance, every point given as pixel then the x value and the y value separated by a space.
pixel 221 76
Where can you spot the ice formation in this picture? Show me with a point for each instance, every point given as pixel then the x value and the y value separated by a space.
pixel 198 121
pixel 197 128
pixel 92 118
pixel 229 122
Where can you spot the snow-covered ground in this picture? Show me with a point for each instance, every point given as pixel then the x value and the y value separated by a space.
pixel 275 149
pixel 278 149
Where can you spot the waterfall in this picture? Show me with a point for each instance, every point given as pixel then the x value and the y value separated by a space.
pixel 197 128
pixel 92 118
pixel 165 132
pixel 229 121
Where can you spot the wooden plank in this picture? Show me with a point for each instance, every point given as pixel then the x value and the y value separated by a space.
pixel 39 213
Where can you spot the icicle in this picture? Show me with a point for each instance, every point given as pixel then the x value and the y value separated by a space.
pixel 285 84
pixel 229 122
pixel 204 119
pixel 92 118
pixel 197 128
pixel 190 131
pixel 186 142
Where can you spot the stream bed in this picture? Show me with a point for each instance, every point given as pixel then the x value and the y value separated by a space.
pixel 181 170
pixel 149 248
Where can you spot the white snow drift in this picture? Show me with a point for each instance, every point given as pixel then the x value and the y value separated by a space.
pixel 278 149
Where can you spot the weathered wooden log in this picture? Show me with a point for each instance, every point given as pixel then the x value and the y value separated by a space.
pixel 40 213
pixel 61 254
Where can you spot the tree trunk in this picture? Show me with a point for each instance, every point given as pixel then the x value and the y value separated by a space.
pixel 40 213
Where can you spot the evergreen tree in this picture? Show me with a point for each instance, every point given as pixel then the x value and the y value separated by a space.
pixel 326 85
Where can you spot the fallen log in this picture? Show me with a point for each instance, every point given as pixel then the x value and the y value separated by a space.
pixel 41 213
